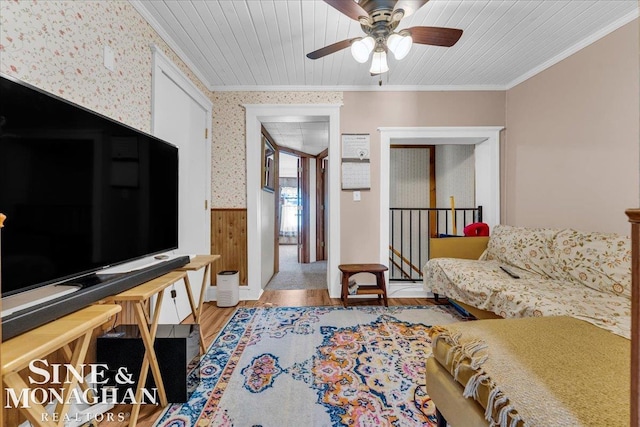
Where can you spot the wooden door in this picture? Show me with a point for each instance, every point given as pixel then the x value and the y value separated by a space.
pixel 303 210
pixel 321 210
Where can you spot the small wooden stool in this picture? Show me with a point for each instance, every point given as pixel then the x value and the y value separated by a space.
pixel 377 270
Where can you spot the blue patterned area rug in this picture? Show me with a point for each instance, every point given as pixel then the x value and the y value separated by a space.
pixel 316 366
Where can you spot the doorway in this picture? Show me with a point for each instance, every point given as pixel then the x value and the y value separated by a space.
pixel 412 193
pixel 298 201
pixel 255 115
pixel 425 180
pixel 290 203
pixel 486 142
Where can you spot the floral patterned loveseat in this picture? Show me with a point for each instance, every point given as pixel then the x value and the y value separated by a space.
pixel 562 272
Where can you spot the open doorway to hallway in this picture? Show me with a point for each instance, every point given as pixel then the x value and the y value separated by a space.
pixel 260 233
pixel 300 204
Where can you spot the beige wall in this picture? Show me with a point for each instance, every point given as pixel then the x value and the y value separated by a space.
pixel 571 159
pixel 365 112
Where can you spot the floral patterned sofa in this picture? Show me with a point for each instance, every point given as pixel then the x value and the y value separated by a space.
pixel 562 272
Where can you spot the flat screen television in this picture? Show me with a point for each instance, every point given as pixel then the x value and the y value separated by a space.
pixel 81 192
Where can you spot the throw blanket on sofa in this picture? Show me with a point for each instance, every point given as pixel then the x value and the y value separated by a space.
pixel 551 371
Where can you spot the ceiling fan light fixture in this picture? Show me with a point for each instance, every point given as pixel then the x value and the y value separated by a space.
pixel 397 15
pixel 361 49
pixel 400 45
pixel 379 62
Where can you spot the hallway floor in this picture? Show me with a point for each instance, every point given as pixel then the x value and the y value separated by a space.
pixel 293 275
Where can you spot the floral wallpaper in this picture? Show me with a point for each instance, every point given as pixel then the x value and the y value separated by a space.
pixel 58 46
pixel 228 167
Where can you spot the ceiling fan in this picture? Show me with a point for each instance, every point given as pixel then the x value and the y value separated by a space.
pixel 379 20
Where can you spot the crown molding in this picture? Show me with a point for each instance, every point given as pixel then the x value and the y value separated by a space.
pixel 629 17
pixel 363 88
pixel 142 10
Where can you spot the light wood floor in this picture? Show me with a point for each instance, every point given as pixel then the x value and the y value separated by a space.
pixel 215 318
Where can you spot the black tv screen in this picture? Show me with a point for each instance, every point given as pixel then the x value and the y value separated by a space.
pixel 80 191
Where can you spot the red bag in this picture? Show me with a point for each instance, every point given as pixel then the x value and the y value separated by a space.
pixel 476 229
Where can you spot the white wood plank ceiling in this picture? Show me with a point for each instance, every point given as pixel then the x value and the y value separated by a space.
pixel 258 45
pixel 308 136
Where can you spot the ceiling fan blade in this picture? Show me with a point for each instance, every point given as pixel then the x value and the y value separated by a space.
pixel 332 48
pixel 409 6
pixel 436 36
pixel 349 7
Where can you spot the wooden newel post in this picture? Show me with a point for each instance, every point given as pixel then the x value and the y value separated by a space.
pixel 634 219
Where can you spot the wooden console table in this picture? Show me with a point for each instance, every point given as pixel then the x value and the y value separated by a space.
pixel 377 270
pixel 38 343
pixel 138 296
pixel 197 263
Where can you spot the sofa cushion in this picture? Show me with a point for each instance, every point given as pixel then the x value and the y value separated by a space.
pixel 525 248
pixel 600 261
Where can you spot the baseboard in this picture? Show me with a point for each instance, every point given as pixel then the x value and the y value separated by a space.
pixel 407 290
pixel 394 290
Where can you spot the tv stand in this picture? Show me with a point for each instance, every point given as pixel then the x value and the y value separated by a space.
pixel 18 353
pixel 95 288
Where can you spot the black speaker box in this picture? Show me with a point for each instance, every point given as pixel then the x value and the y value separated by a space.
pixel 177 348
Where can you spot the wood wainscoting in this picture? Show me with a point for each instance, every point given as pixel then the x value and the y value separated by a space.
pixel 229 240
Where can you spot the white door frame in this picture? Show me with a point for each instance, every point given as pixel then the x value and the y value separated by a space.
pixel 487 176
pixel 162 65
pixel 255 115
